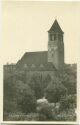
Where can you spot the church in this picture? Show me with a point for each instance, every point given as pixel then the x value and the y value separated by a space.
pixel 44 62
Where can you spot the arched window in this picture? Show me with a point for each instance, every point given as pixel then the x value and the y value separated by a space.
pixel 53 37
pixel 60 37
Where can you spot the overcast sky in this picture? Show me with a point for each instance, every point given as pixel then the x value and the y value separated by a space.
pixel 25 26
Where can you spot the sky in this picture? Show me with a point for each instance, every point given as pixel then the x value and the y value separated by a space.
pixel 25 25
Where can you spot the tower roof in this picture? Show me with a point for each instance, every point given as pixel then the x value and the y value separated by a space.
pixel 56 28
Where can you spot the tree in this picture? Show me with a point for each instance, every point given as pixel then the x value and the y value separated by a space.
pixel 27 100
pixel 46 80
pixel 37 86
pixel 9 94
pixel 55 90
pixel 69 78
pixel 38 83
pixel 18 96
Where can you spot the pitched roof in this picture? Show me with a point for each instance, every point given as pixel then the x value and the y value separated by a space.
pixel 35 61
pixel 56 28
pixel 35 58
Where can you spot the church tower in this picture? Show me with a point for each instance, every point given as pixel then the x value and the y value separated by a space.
pixel 56 46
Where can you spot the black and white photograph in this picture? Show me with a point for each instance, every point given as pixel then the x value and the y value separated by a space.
pixel 39 60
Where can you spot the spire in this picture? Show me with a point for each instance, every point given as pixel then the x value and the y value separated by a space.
pixel 56 28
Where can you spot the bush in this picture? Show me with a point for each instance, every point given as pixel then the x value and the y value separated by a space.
pixel 32 117
pixel 45 112
pixel 66 116
pixel 68 102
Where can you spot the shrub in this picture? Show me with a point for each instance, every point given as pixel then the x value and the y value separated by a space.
pixel 68 102
pixel 66 116
pixel 32 117
pixel 45 112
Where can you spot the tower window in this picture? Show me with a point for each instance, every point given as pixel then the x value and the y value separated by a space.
pixel 60 38
pixel 52 37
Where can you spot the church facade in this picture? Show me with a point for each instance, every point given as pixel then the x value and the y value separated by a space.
pixel 45 62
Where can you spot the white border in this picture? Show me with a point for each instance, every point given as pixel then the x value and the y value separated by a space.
pixel 78 80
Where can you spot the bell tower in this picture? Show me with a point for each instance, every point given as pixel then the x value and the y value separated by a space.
pixel 56 46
